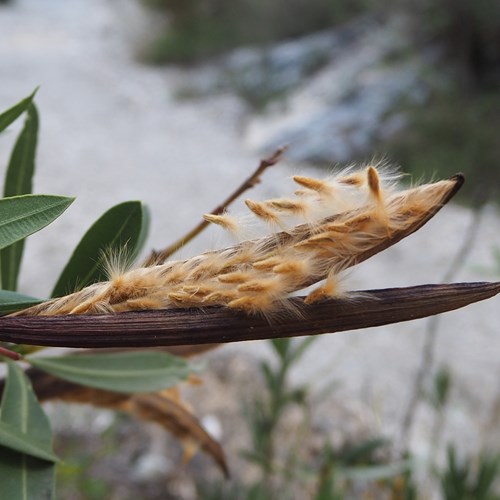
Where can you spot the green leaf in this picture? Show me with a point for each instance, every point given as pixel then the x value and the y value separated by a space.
pixel 18 181
pixel 121 229
pixel 120 372
pixel 143 235
pixel 21 409
pixel 21 216
pixel 13 301
pixel 9 116
pixel 361 452
pixel 16 440
pixel 301 347
pixel 24 476
pixel 281 346
pixel 377 472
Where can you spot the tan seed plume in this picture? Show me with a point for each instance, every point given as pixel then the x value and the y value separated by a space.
pixel 259 276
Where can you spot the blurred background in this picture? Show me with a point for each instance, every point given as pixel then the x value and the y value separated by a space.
pixel 174 102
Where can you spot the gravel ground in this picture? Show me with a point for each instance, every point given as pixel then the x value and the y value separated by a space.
pixel 112 130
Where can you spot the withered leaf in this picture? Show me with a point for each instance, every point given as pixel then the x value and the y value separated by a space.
pixel 164 408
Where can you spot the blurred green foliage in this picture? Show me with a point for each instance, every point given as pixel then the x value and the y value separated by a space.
pixel 469 479
pixel 469 31
pixel 203 28
pixel 287 465
pixel 454 132
pixel 457 129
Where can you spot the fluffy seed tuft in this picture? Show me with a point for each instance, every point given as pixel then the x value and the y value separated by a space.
pixel 225 220
pixel 320 186
pixel 350 216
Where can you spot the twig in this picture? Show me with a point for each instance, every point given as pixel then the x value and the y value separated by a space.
pixel 158 257
pixel 187 326
pixel 15 356
pixel 429 347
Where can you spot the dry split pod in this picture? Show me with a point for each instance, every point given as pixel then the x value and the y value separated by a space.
pixel 246 291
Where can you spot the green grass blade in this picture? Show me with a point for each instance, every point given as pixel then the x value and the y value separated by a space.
pixel 121 372
pixel 18 181
pixel 25 476
pixel 9 116
pixel 13 301
pixel 121 227
pixel 21 216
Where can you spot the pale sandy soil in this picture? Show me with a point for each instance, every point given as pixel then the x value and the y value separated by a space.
pixel 112 130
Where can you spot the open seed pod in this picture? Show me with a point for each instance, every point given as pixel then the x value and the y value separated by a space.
pixel 343 220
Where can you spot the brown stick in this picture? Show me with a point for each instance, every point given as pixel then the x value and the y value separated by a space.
pixel 158 257
pixel 212 325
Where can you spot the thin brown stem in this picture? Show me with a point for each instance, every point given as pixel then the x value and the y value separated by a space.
pixel 213 325
pixel 15 356
pixel 158 257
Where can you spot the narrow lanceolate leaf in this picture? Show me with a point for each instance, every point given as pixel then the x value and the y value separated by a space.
pixel 9 116
pixel 119 232
pixel 13 301
pixel 21 216
pixel 18 181
pixel 23 475
pixel 121 372
pixel 11 437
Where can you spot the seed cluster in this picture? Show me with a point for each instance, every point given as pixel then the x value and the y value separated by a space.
pixel 326 226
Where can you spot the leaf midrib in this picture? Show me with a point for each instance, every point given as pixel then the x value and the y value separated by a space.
pixel 26 215
pixel 111 374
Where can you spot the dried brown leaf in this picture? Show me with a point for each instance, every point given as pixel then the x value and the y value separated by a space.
pixel 165 408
